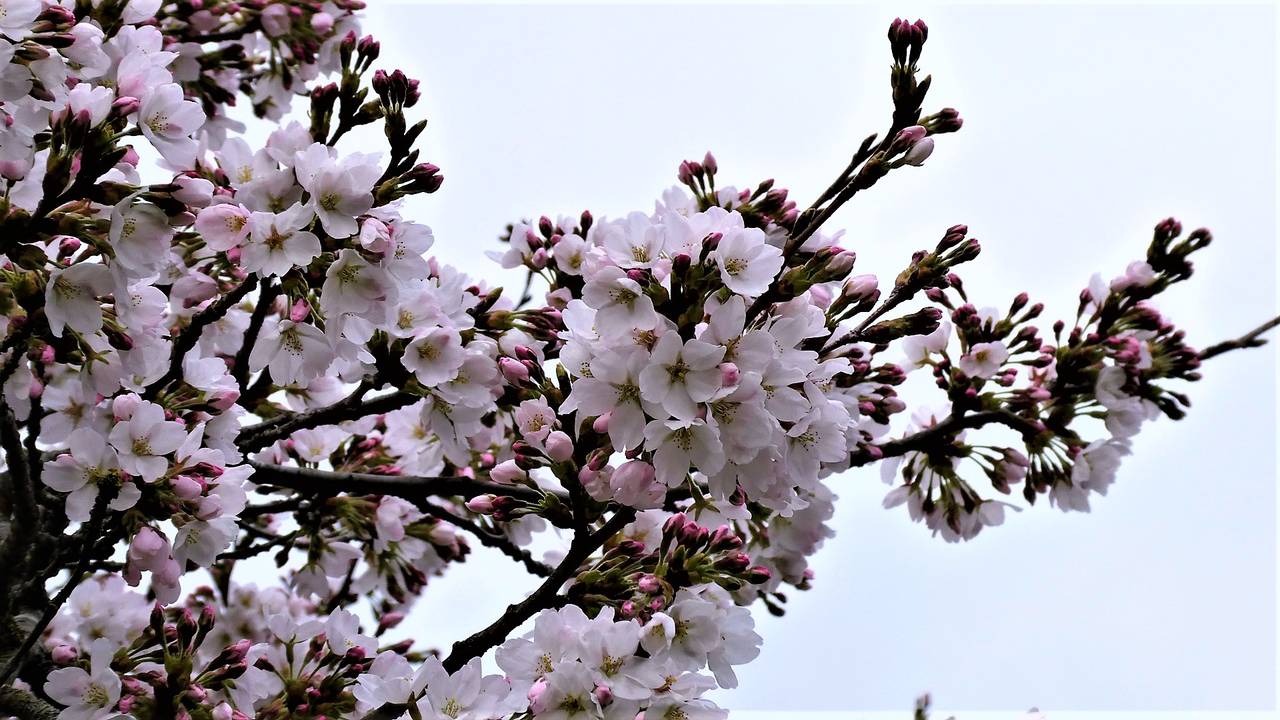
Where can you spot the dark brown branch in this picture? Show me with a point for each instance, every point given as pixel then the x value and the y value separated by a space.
pixel 16 458
pixel 189 337
pixel 17 343
pixel 256 437
pixel 949 427
pixel 1251 339
pixel 410 487
pixel 25 706
pixel 77 574
pixel 240 366
pixel 540 599
pixel 489 539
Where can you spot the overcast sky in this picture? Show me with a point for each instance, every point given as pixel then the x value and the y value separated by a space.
pixel 1084 125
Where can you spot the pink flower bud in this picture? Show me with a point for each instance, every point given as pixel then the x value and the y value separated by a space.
pixel 912 134
pixel 536 691
pixel 148 548
pixel 559 446
pixel 919 152
pixel 860 287
pixel 186 487
pixel 64 654
pixel 648 584
pixel 322 23
pixel 122 406
pixel 506 472
pixel 481 504
pixel 603 694
pixel 224 399
pixel 300 311
pixel 728 374
pixel 538 259
pixel 389 621
pixel 601 424
pixel 513 370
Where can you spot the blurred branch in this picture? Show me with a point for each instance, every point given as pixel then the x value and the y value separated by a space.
pixel 1251 339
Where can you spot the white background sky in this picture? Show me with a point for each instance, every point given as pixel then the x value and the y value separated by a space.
pixel 1084 126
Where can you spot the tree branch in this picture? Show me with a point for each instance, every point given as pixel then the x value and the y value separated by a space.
pixel 410 487
pixel 950 426
pixel 1251 339
pixel 489 539
pixel 77 574
pixel 25 706
pixel 256 437
pixel 240 365
pixel 540 599
pixel 16 458
pixel 189 337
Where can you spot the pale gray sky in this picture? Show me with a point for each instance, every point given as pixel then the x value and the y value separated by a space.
pixel 1084 126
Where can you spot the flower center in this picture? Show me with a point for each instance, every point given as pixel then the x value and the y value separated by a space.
pixel 96 695
pixel 573 705
pixel 678 371
pixel 159 123
pixel 428 352
pixel 65 289
pixel 623 296
pixel 291 342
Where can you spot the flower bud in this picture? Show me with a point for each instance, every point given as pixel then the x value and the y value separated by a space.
pixel 506 472
pixel 648 584
pixel 860 287
pixel 513 370
pixel 186 487
pixel 919 152
pixel 729 374
pixel 481 504
pixel 64 654
pixel 559 446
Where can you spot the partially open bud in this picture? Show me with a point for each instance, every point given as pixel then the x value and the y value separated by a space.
pixel 559 446
pixel 506 472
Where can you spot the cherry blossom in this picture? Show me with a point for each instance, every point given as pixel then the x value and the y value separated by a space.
pixel 237 356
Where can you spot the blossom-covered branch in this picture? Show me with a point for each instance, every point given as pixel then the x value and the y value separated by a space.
pixel 215 355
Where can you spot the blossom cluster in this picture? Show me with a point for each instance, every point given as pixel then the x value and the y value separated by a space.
pixel 214 355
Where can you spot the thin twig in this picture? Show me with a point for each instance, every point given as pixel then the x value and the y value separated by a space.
pixel 256 437
pixel 189 337
pixel 409 487
pixel 948 427
pixel 489 539
pixel 1251 339
pixel 266 299
pixel 540 599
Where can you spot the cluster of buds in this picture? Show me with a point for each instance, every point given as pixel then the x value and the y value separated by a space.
pixel 638 583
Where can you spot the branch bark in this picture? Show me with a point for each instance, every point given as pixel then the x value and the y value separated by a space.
pixel 256 437
pixel 189 337
pixel 410 487
pixel 25 706
pixel 496 541
pixel 950 426
pixel 540 599
pixel 1251 339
